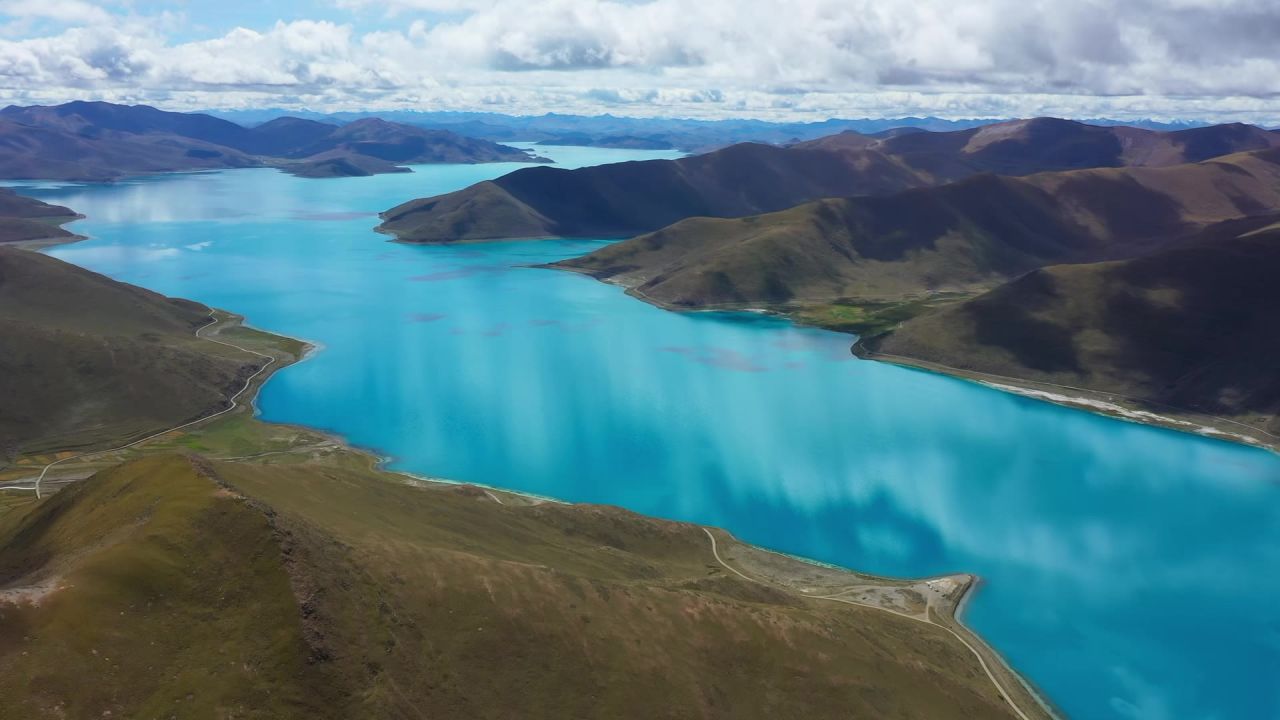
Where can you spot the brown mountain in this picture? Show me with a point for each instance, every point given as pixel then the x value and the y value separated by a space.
pixel 630 198
pixel 103 141
pixel 626 198
pixel 958 238
pixel 87 359
pixel 1194 327
pixel 46 153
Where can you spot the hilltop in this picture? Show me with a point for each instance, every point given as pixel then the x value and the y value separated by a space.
pixel 96 141
pixel 627 199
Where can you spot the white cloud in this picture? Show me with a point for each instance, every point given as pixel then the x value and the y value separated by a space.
pixel 66 11
pixel 1160 58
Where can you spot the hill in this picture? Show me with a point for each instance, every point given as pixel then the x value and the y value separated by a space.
pixel 870 255
pixel 97 141
pixel 26 220
pixel 631 198
pixel 1191 328
pixel 220 589
pixel 628 198
pixel 87 359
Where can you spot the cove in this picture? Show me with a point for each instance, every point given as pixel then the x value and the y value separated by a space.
pixel 1129 571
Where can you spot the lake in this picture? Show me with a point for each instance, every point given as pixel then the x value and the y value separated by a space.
pixel 1128 571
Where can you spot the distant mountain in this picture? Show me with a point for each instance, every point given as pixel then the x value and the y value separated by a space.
pixel 24 219
pixel 685 134
pixel 335 165
pixel 87 359
pixel 399 143
pixel 629 198
pixel 102 141
pixel 44 153
pixel 1195 327
pixel 967 236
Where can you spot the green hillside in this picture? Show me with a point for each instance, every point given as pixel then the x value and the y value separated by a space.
pixel 202 590
pixel 1192 328
pixel 88 360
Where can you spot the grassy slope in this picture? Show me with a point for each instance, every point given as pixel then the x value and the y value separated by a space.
pixel 24 219
pixel 166 597
pixel 631 198
pixel 910 248
pixel 1194 327
pixel 413 600
pixel 88 360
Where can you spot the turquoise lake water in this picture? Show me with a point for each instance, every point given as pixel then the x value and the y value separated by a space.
pixel 1130 572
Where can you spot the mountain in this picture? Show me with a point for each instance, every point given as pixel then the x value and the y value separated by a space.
pixel 627 198
pixel 52 153
pixel 87 359
pixel 102 141
pixel 631 198
pixel 24 219
pixel 689 135
pixel 1194 327
pixel 338 164
pixel 872 255
pixel 95 119
pixel 200 588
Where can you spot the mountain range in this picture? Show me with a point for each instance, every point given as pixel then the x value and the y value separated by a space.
pixel 96 141
pixel 687 134
pixel 960 237
pixel 627 199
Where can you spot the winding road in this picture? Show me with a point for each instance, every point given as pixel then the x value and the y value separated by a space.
pixel 994 680
pixel 234 400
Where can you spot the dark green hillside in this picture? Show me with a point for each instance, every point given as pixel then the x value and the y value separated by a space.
pixel 1196 327
pixel 86 360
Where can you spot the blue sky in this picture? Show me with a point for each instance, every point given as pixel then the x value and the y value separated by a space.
pixel 801 59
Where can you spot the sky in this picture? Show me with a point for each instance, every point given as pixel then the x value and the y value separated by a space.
pixel 1213 60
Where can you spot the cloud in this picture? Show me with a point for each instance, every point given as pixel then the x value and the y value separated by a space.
pixel 65 11
pixel 1161 58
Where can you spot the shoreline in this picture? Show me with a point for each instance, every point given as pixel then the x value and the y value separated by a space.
pixel 1091 401
pixel 1111 405
pixel 948 619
